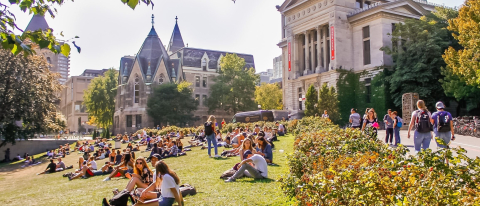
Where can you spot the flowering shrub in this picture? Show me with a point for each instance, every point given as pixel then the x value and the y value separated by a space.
pixel 333 166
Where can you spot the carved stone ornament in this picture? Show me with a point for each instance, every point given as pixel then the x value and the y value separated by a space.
pixel 314 7
pixel 319 5
pixel 325 2
pixel 303 12
pixel 293 17
pixel 298 15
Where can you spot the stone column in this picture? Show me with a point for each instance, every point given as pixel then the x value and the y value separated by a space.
pixel 295 56
pixel 312 50
pixel 306 50
pixel 318 49
pixel 325 30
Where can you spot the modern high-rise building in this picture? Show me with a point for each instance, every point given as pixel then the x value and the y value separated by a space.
pixel 58 62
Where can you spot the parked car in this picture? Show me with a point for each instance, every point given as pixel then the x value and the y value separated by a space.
pixel 253 116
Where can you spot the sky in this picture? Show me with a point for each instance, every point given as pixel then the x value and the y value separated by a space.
pixel 109 30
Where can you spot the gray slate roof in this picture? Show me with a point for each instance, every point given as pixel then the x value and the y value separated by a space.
pixel 37 22
pixel 151 53
pixel 126 65
pixel 176 41
pixel 192 57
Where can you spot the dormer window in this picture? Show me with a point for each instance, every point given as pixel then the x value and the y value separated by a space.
pixel 204 64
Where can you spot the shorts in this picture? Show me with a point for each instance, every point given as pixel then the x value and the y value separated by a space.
pixel 166 201
pixel 446 136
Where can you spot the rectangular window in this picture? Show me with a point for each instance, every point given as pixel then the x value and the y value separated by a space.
pixel 197 81
pixel 129 121
pixel 328 55
pixel 300 102
pixel 204 82
pixel 368 90
pixel 204 99
pixel 366 45
pixel 197 99
pixel 137 93
pixel 138 121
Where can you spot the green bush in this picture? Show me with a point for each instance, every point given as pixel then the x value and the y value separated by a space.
pixel 333 166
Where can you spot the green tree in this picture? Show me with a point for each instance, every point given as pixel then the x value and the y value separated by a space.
pixel 311 101
pixel 455 86
pixel 28 95
pixel 329 101
pixel 99 98
pixel 351 93
pixel 172 103
pixel 417 51
pixel 464 62
pixel 269 96
pixel 37 39
pixel 234 88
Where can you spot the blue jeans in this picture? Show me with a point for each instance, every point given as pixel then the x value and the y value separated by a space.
pixel 446 136
pixel 389 135
pixel 397 135
pixel 422 140
pixel 166 201
pixel 212 140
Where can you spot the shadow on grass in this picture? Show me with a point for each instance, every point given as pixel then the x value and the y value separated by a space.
pixel 250 180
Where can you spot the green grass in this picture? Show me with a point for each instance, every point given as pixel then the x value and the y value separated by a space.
pixel 20 186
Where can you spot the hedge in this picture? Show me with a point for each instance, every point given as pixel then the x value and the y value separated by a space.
pixel 334 166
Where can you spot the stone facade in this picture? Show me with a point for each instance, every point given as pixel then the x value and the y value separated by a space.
pixel 319 36
pixel 71 101
pixel 155 65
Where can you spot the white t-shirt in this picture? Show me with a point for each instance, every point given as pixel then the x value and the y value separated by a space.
pixel 93 165
pixel 167 183
pixel 260 164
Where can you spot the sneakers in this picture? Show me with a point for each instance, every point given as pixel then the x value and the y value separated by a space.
pixel 107 179
pixel 230 180
pixel 217 156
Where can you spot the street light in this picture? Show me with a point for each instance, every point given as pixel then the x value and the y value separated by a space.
pixel 259 106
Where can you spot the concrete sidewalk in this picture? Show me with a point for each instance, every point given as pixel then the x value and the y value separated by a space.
pixel 471 144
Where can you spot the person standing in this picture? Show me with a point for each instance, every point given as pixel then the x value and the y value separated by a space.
pixel 421 119
pixel 369 124
pixel 442 125
pixel 388 127
pixel 354 119
pixel 210 134
pixel 7 155
pixel 397 124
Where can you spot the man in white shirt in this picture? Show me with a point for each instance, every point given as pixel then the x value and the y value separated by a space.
pixel 260 170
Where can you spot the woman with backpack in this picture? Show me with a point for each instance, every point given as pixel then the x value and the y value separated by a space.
pixel 397 124
pixel 210 134
pixel 421 119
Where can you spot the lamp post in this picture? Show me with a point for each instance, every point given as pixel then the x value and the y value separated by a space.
pixel 259 106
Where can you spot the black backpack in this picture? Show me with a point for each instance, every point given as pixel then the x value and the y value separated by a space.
pixel 120 199
pixel 208 128
pixel 423 122
pixel 443 122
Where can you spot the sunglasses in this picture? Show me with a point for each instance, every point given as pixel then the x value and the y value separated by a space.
pixel 140 163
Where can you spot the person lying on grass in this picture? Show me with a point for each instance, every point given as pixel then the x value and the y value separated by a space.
pixel 169 182
pixel 125 167
pixel 258 172
pixel 142 175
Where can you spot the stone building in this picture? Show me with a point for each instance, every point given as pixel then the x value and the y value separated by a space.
pixel 154 65
pixel 319 36
pixel 59 63
pixel 71 100
pixel 277 67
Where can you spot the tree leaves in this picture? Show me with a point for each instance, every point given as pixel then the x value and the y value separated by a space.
pixel 269 96
pixel 65 49
pixel 99 98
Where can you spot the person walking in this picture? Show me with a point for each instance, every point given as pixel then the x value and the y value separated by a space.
pixel 397 124
pixel 354 119
pixel 210 134
pixel 421 119
pixel 388 127
pixel 443 125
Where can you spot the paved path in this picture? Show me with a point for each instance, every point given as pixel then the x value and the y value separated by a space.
pixel 471 144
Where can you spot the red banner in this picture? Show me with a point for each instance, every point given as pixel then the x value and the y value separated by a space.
pixel 332 42
pixel 289 57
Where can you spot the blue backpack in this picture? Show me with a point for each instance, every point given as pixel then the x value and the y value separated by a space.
pixel 399 122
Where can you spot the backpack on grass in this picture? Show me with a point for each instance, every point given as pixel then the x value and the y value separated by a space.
pixel 121 199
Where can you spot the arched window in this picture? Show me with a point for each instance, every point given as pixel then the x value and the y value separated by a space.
pixel 136 94
pixel 204 64
pixel 160 80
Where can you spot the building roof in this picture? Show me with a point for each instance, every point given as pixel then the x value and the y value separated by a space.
pixel 176 41
pixel 126 65
pixel 151 53
pixel 192 57
pixel 93 72
pixel 37 22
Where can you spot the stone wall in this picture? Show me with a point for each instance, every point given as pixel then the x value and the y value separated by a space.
pixel 34 146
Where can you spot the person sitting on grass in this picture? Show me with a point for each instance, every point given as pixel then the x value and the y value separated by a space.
pixel 258 172
pixel 129 146
pixel 60 166
pixel 125 167
pixel 142 175
pixel 172 152
pixel 136 148
pixel 179 145
pixel 154 193
pixel 87 170
pixel 169 183
pixel 118 158
pixel 264 149
pixel 51 168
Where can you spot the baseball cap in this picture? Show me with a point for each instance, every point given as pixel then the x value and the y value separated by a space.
pixel 439 105
pixel 246 153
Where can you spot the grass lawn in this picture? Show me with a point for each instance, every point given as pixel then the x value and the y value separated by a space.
pixel 21 186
